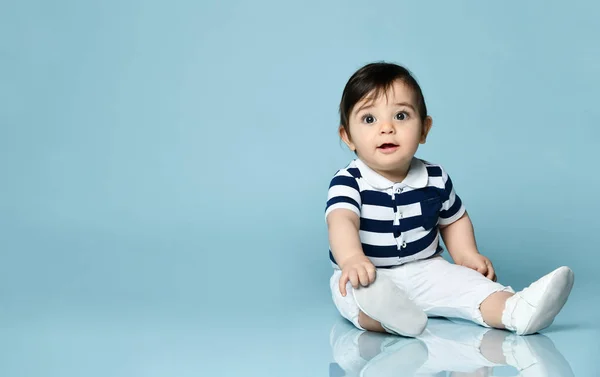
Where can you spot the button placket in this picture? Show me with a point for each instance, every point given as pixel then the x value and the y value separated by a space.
pixel 398 216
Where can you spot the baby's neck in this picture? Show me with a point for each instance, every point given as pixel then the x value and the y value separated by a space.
pixel 396 175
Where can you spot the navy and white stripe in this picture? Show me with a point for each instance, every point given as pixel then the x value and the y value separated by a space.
pixel 398 221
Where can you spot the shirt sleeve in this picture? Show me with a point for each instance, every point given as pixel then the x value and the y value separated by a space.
pixel 343 193
pixel 453 207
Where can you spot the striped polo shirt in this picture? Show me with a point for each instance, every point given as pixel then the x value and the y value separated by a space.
pixel 398 220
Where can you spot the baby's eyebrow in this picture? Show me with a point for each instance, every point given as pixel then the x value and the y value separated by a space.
pixel 363 107
pixel 369 105
pixel 406 104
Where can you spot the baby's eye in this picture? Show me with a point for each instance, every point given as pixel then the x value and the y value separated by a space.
pixel 368 118
pixel 402 115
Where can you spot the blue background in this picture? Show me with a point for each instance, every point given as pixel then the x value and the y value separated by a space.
pixel 164 168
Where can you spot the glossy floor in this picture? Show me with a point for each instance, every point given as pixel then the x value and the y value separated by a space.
pixel 151 341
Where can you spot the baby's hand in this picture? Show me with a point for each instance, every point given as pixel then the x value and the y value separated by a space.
pixel 357 269
pixel 480 264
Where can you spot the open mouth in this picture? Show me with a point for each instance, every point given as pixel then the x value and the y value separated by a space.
pixel 388 146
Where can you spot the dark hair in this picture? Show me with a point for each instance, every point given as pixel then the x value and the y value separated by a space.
pixel 377 77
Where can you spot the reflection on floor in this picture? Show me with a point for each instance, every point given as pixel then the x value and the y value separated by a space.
pixel 446 348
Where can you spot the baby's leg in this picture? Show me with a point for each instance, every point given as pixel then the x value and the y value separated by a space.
pixel 389 304
pixel 348 308
pixel 532 309
pixel 448 290
pixel 381 306
pixel 443 289
pixel 492 307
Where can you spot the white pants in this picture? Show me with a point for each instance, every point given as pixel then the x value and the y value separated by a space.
pixel 438 287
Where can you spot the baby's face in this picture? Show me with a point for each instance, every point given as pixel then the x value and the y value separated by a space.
pixel 386 132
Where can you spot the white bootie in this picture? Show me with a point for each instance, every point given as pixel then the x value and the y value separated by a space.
pixel 535 307
pixel 389 305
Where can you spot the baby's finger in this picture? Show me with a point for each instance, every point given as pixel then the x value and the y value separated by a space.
pixel 371 271
pixel 491 273
pixel 343 282
pixel 363 276
pixel 482 269
pixel 353 276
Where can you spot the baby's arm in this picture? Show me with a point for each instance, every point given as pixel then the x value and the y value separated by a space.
pixel 344 241
pixel 459 238
pixel 457 232
pixel 343 227
pixel 343 222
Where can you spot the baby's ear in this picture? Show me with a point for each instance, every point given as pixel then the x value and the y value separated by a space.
pixel 427 123
pixel 346 138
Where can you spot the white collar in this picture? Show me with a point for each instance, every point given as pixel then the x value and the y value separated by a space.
pixel 417 176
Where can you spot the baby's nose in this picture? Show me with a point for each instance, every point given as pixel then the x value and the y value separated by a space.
pixel 387 127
